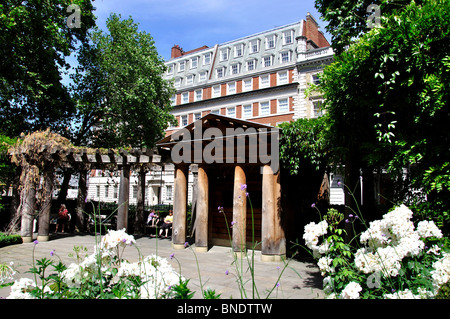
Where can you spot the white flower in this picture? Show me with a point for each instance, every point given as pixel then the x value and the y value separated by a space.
pixel 312 233
pixel 21 289
pixel 441 272
pixel 324 264
pixel 428 229
pixel 351 291
pixel 115 238
pixel 405 294
pixel 435 249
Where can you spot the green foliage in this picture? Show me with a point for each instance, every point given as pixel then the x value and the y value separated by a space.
pixel 6 240
pixel 182 291
pixel 120 88
pixel 303 145
pixel 34 41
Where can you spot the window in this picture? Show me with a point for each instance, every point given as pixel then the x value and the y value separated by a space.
pixel 224 54
pixel 216 91
pixel 184 120
pixel 181 66
pixel 251 65
pixel 254 46
pixel 283 77
pixel 134 195
pixel 288 37
pixel 264 108
pixel 231 111
pixel 185 97
pixel 197 116
pixel 247 85
pixel 215 112
pixel 173 100
pixel 178 82
pixel 239 50
pixel 283 105
pixel 98 190
pixel 203 76
pixel 264 81
pixel 207 59
pixel 170 69
pixel 235 68
pixel 220 72
pixel 267 60
pixel 231 88
pixel 169 192
pixel 285 56
pixel 116 191
pixel 198 95
pixel 316 79
pixel 190 79
pixel 270 42
pixel 194 63
pixel 318 108
pixel 247 111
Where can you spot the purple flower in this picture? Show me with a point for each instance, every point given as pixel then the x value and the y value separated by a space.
pixel 220 209
pixel 52 252
pixel 186 244
pixel 339 183
pixel 347 221
pixel 233 223
pixel 226 272
pixel 278 284
pixel 243 186
pixel 351 215
pixel 36 242
pixel 246 194
pixel 172 255
pixel 313 205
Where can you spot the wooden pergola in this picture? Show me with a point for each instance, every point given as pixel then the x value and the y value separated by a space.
pixel 84 160
pixel 221 183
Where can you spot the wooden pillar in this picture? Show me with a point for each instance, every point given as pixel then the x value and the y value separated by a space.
pixel 273 246
pixel 139 219
pixel 239 211
pixel 80 221
pixel 124 195
pixel 44 214
pixel 180 207
pixel 201 224
pixel 27 206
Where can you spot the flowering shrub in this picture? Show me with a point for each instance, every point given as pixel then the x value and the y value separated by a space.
pixel 103 274
pixel 396 259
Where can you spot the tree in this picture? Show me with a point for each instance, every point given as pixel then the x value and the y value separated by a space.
pixel 123 100
pixel 387 98
pixel 34 41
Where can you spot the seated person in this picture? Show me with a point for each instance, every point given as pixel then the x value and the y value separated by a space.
pixel 153 218
pixel 167 224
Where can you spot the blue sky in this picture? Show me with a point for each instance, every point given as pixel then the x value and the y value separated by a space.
pixel 194 23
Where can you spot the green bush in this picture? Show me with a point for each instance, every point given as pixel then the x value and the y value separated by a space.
pixel 6 240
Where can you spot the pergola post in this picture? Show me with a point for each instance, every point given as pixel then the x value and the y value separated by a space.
pixel 27 206
pixel 180 206
pixel 239 211
pixel 44 215
pixel 80 221
pixel 201 224
pixel 273 246
pixel 124 195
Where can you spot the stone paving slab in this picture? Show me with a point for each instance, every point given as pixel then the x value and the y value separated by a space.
pixel 300 280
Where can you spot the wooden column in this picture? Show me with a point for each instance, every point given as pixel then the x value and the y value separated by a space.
pixel 27 207
pixel 273 247
pixel 44 214
pixel 180 206
pixel 139 219
pixel 80 220
pixel 239 211
pixel 124 195
pixel 201 224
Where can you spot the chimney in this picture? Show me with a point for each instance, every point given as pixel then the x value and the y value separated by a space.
pixel 176 51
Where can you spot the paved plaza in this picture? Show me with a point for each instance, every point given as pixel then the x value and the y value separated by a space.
pixel 300 280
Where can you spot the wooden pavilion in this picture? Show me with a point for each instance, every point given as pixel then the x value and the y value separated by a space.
pixel 229 159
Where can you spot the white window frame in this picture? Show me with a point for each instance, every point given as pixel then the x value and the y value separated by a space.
pixel 254 46
pixel 267 61
pixel 216 111
pixel 246 88
pixel 185 97
pixel 170 69
pixel 288 37
pixel 190 79
pixel 315 78
pixel 239 48
pixel 247 64
pixel 198 95
pixel 235 69
pixel 264 105
pixel 246 115
pixel 289 53
pixel 216 91
pixel 173 99
pixel 231 111
pixel 207 58
pixel 231 88
pixel 220 72
pixel 178 82
pixel 203 76
pixel 197 116
pixel 316 110
pixel 283 106
pixel 182 66
pixel 194 62
pixel 271 39
pixel 184 120
pixel 283 77
pixel 264 81
pixel 224 54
